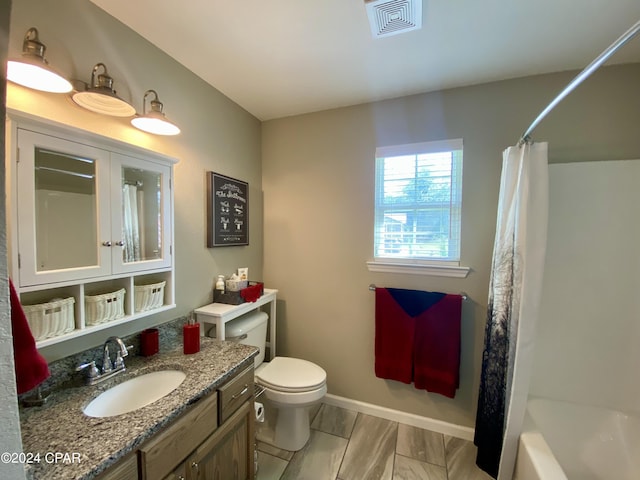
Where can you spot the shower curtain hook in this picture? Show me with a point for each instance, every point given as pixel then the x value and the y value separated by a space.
pixel 525 140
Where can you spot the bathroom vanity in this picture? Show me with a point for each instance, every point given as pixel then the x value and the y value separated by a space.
pixel 202 430
pixel 213 440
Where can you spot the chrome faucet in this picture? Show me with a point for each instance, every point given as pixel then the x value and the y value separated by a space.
pixel 109 369
pixel 118 364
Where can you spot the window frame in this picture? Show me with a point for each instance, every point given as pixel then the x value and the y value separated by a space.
pixel 449 266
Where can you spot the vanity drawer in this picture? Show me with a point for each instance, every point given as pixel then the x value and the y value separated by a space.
pixel 234 393
pixel 171 446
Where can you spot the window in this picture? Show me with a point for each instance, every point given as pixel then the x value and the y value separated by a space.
pixel 417 203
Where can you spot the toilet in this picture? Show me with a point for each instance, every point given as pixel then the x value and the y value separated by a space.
pixel 291 385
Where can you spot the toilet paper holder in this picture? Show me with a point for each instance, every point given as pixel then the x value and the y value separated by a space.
pixel 257 390
pixel 259 412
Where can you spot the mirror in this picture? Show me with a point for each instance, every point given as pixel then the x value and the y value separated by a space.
pixel 141 215
pixel 66 209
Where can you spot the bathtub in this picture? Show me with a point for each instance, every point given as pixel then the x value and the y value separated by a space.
pixel 562 440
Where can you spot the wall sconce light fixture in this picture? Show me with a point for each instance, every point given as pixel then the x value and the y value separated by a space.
pixel 100 97
pixel 154 121
pixel 32 70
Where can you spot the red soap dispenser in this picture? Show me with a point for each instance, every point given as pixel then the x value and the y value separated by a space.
pixel 191 336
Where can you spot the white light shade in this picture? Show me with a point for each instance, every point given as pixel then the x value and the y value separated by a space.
pixel 154 121
pixel 103 103
pixel 36 77
pixel 100 97
pixel 33 71
pixel 155 125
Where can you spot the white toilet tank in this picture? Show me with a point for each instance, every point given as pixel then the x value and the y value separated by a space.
pixel 249 329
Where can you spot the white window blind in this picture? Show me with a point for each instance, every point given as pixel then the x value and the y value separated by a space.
pixel 418 201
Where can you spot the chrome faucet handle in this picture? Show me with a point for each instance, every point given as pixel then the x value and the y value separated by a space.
pixel 93 370
pixel 119 363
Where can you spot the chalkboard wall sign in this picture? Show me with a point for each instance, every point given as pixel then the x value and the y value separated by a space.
pixel 227 211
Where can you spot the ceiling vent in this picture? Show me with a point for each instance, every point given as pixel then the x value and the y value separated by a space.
pixel 390 17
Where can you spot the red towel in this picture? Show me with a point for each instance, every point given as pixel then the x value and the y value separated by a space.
pixel 394 339
pixel 418 338
pixel 31 367
pixel 437 347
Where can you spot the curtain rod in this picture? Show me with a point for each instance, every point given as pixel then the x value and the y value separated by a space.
pixel 133 183
pixel 583 75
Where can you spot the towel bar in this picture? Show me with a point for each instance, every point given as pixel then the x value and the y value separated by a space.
pixel 372 287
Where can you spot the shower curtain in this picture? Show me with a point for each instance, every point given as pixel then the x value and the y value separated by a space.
pixel 514 297
pixel 130 224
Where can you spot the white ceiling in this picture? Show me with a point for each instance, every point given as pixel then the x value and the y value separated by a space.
pixel 278 58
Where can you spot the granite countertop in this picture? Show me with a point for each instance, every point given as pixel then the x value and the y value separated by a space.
pixel 95 444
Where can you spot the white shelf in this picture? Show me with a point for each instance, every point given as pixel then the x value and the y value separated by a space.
pixel 79 332
pixel 80 290
pixel 220 313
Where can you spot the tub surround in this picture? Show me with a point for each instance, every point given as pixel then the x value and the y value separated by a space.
pixel 60 425
pixel 570 440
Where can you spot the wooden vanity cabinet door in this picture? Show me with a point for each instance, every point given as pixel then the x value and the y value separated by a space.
pixel 168 449
pixel 181 472
pixel 228 453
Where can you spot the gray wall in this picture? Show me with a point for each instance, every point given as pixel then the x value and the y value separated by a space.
pixel 318 178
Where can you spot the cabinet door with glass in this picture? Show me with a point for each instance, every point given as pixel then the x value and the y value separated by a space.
pixel 62 205
pixel 140 214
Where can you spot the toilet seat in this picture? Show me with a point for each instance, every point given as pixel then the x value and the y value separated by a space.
pixel 291 375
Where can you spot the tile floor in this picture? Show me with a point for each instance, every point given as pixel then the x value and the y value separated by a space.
pixel 347 445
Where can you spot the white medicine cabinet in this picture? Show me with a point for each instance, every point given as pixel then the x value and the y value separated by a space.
pixel 91 219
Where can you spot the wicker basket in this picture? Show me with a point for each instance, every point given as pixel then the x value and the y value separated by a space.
pixel 236 285
pixel 104 308
pixel 148 297
pixel 51 319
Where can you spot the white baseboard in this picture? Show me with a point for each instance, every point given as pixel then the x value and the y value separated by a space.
pixel 427 423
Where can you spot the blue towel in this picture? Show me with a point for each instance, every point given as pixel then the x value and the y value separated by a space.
pixel 415 302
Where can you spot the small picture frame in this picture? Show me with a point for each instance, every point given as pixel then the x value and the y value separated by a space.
pixel 227 211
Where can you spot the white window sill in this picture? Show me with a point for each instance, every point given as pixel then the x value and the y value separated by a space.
pixel 416 269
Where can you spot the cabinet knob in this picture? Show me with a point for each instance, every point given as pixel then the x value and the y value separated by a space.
pixel 106 244
pixel 195 466
pixel 120 243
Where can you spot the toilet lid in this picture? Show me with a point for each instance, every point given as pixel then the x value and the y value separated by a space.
pixel 291 375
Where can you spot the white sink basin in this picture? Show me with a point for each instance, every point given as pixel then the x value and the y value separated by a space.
pixel 135 393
